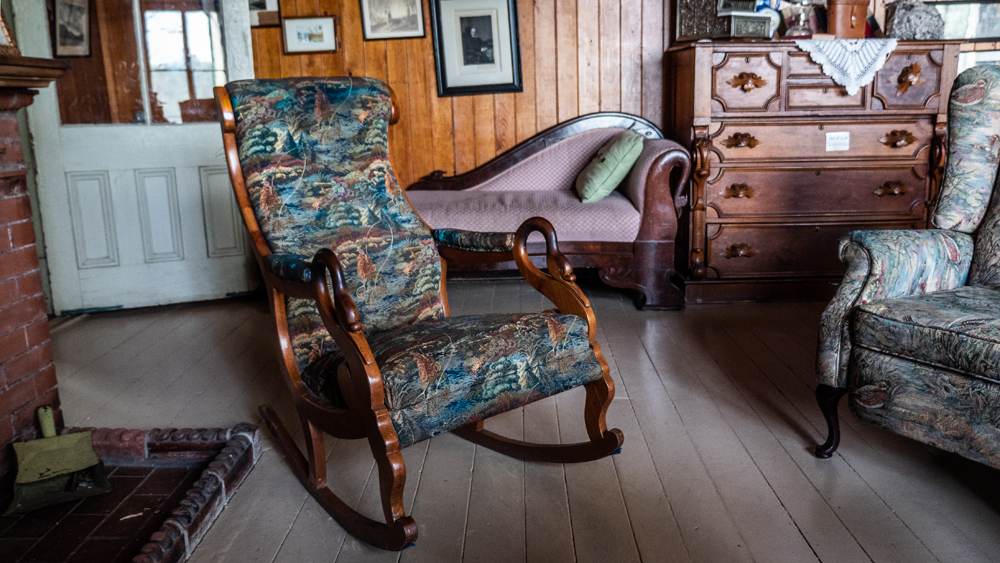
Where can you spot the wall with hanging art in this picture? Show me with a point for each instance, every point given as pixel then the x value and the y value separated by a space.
pixel 577 57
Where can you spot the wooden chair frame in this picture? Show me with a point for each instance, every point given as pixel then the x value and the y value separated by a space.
pixel 360 380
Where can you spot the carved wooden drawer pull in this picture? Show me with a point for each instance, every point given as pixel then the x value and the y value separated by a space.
pixel 738 140
pixel 898 138
pixel 740 250
pixel 909 76
pixel 894 187
pixel 746 81
pixel 738 190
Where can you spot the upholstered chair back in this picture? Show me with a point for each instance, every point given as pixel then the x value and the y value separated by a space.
pixel 314 153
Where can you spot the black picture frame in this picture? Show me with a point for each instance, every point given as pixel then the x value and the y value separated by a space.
pixel 63 11
pixel 446 87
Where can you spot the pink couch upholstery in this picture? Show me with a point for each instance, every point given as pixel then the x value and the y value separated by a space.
pixel 628 235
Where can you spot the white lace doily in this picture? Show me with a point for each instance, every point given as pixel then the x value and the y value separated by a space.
pixel 852 63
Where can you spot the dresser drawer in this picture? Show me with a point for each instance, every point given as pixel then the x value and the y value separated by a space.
pixel 745 82
pixel 799 140
pixel 801 65
pixel 763 251
pixel 741 192
pixel 823 97
pixel 909 80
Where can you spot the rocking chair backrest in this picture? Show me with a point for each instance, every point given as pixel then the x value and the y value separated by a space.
pixel 314 154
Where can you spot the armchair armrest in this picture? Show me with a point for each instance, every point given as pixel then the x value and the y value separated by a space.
pixel 289 267
pixel 884 265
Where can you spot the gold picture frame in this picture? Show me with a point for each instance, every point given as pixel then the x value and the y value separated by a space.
pixel 8 44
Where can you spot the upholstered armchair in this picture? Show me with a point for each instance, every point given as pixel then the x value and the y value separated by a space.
pixel 913 334
pixel 356 284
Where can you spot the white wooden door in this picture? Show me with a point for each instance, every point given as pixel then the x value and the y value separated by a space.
pixel 138 214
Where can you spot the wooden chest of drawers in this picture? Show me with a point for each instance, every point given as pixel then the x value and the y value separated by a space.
pixel 786 161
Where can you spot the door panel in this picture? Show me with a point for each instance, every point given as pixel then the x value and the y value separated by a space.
pixel 138 214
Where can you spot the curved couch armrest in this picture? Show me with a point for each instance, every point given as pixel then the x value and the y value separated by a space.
pixel 884 265
pixel 289 268
pixel 474 241
pixel 654 189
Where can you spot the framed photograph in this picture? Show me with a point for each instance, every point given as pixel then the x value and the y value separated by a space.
pixel 8 46
pixel 309 34
pixel 392 19
pixel 264 13
pixel 476 48
pixel 71 28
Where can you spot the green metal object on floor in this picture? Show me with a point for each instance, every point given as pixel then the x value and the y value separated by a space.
pixel 56 469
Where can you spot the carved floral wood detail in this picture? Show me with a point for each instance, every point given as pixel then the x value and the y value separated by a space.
pixel 739 250
pixel 909 76
pixel 738 191
pixel 894 187
pixel 740 140
pixel 746 81
pixel 898 138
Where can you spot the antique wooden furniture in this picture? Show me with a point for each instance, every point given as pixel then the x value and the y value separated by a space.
pixel 629 235
pixel 786 161
pixel 913 333
pixel 357 287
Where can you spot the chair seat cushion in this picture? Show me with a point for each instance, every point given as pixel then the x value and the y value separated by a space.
pixel 442 374
pixel 957 329
pixel 612 219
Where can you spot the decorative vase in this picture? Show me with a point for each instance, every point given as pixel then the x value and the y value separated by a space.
pixel 801 10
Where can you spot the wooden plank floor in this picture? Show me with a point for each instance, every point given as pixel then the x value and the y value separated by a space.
pixel 716 403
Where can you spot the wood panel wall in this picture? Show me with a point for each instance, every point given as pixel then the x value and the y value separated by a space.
pixel 578 57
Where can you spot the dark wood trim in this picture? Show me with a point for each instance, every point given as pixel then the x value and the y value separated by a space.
pixel 605 120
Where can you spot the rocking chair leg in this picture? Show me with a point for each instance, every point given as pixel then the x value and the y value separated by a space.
pixel 395 535
pixel 828 397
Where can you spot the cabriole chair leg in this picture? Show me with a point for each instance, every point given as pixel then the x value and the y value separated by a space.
pixel 828 397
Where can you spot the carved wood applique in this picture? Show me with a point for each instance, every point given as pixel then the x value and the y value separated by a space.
pixel 701 168
pixel 909 76
pixel 738 190
pixel 740 250
pixel 898 138
pixel 746 81
pixel 895 187
pixel 740 140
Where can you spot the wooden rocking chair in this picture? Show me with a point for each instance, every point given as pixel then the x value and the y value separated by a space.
pixel 356 282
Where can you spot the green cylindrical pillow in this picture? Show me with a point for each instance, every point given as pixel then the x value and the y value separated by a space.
pixel 612 163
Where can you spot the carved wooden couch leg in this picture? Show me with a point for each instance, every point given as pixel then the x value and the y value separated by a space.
pixel 656 288
pixel 828 397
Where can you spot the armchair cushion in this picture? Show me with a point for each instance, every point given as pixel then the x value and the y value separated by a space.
pixel 884 265
pixel 609 166
pixel 442 374
pixel 289 267
pixel 958 329
pixel 474 241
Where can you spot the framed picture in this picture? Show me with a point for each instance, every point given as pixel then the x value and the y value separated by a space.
pixel 392 19
pixel 8 46
pixel 71 28
pixel 309 34
pixel 264 13
pixel 476 48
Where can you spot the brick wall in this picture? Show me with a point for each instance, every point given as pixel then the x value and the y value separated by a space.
pixel 27 375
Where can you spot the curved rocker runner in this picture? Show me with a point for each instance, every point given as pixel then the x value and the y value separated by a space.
pixel 356 283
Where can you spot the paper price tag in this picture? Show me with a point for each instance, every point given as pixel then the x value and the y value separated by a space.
pixel 838 141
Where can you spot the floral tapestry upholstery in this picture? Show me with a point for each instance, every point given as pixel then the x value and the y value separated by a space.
pixel 986 258
pixel 442 374
pixel 289 267
pixel 474 241
pixel 940 407
pixel 883 265
pixel 958 329
pixel 973 146
pixel 314 153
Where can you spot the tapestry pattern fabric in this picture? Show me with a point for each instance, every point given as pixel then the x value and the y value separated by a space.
pixel 315 162
pixel 958 329
pixel 936 406
pixel 474 241
pixel 884 265
pixel 442 374
pixel 973 148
